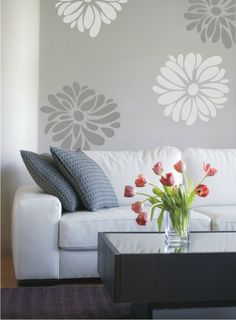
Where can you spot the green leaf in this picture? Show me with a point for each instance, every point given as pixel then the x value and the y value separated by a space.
pixel 160 220
pixel 153 210
pixel 190 199
pixel 157 191
pixel 153 200
pixel 191 185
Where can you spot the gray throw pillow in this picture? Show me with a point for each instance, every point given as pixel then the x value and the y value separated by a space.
pixel 43 170
pixel 87 177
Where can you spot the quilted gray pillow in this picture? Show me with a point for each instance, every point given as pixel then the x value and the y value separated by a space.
pixel 87 177
pixel 43 170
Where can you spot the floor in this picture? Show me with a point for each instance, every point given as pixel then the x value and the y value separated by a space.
pixel 8 279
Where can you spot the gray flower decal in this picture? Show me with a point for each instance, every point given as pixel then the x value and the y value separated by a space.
pixel 213 19
pixel 78 117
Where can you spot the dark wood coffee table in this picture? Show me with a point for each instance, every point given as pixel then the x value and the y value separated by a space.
pixel 138 268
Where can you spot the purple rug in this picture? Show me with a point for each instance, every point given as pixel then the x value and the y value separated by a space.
pixel 60 303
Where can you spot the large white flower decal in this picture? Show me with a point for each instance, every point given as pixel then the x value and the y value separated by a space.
pixel 78 117
pixel 190 87
pixel 88 14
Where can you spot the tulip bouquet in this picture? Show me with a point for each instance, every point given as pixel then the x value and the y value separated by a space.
pixel 176 200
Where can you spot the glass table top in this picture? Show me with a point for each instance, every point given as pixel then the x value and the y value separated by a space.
pixel 154 243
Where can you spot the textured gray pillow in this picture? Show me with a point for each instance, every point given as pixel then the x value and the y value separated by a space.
pixel 43 170
pixel 87 177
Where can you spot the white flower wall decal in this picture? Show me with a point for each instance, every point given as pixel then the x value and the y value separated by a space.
pixel 213 19
pixel 89 14
pixel 78 117
pixel 190 87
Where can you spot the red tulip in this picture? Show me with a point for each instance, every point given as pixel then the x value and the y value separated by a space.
pixel 180 166
pixel 210 171
pixel 141 181
pixel 142 218
pixel 137 207
pixel 168 180
pixel 158 169
pixel 202 190
pixel 129 191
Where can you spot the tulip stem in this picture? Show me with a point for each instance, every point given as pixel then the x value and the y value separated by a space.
pixel 151 184
pixel 144 194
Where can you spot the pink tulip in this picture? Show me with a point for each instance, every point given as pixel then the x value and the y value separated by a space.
pixel 210 171
pixel 142 218
pixel 137 207
pixel 168 180
pixel 158 169
pixel 202 190
pixel 141 181
pixel 129 191
pixel 180 166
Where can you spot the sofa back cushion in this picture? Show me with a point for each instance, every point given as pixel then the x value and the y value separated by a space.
pixel 43 170
pixel 87 178
pixel 222 186
pixel 122 167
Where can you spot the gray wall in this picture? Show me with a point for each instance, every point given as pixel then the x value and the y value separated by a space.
pixel 122 63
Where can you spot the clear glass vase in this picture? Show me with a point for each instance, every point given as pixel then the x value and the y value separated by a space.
pixel 177 228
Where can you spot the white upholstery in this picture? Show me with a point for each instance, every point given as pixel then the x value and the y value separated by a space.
pixel 49 245
pixel 78 231
pixel 223 185
pixel 35 234
pixel 122 167
pixel 78 264
pixel 223 218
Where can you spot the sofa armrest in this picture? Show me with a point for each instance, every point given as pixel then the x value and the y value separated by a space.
pixel 35 219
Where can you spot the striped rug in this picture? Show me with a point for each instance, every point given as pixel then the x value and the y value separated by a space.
pixel 60 303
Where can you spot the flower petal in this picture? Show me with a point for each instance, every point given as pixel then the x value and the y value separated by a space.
pixel 219 76
pixel 72 17
pixel 180 71
pixel 189 64
pixel 177 109
pixel 167 84
pixel 66 143
pixel 108 132
pixel 158 89
pixel 170 97
pixel 62 125
pixel 95 28
pixel 218 86
pixel 72 7
pixel 202 107
pixel 212 93
pixel 226 38
pixel 186 109
pixel 208 74
pixel 209 105
pixel 88 17
pixel 168 110
pixel 107 9
pixel 212 61
pixel 170 75
pixel 92 137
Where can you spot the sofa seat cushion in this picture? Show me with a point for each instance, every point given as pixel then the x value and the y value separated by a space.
pixel 78 231
pixel 223 218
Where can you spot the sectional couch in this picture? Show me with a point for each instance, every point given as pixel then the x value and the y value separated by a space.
pixel 51 244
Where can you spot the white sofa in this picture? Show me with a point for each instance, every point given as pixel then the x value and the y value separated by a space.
pixel 49 244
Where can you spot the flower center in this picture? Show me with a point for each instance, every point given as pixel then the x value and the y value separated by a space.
pixel 193 89
pixel 78 115
pixel 216 11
